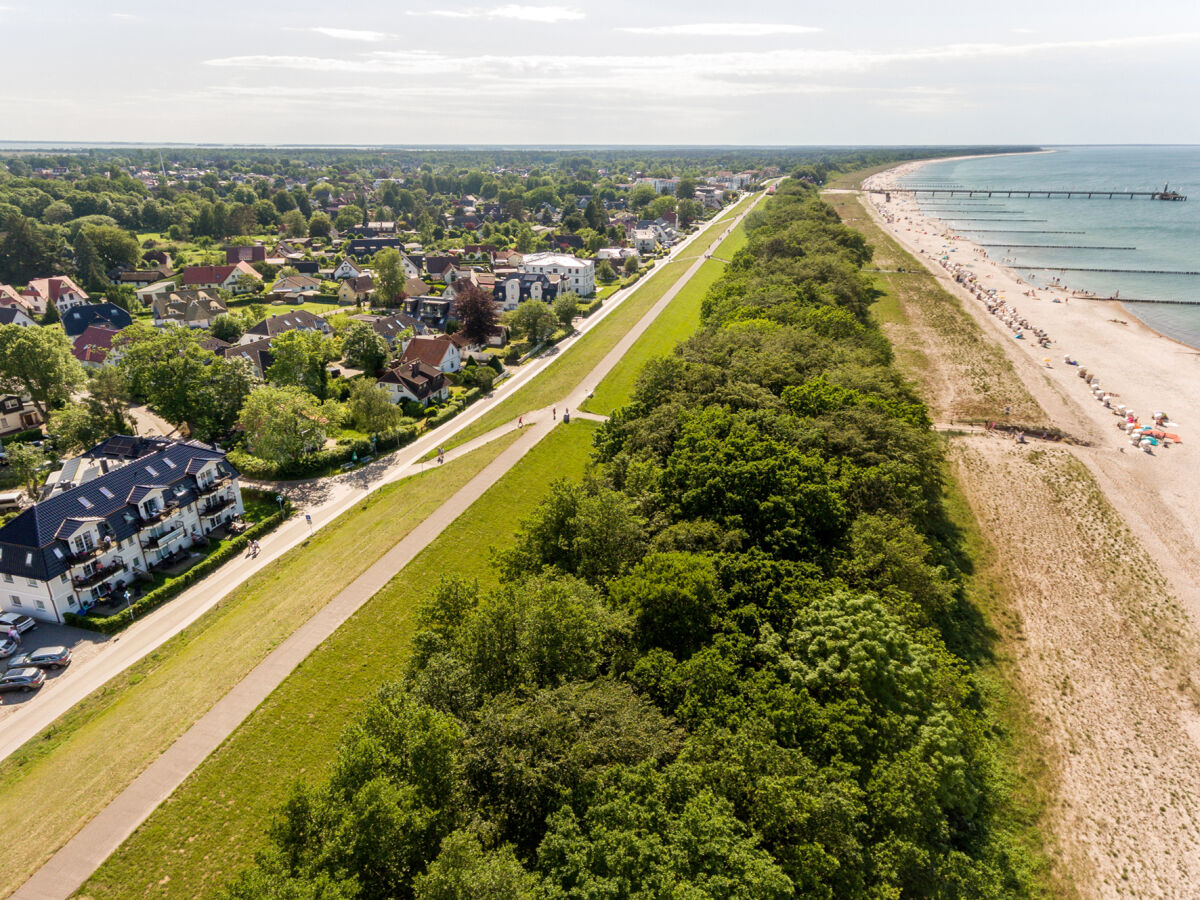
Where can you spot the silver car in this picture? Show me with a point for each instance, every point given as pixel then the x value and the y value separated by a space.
pixel 7 646
pixel 42 658
pixel 28 679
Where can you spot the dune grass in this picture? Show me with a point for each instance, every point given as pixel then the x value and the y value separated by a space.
pixel 211 827
pixel 58 781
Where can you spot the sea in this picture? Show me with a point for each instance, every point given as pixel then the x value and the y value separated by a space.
pixel 1138 234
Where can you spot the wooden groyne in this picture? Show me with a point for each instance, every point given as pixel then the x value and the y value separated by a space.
pixel 1053 246
pixel 1036 193
pixel 1110 271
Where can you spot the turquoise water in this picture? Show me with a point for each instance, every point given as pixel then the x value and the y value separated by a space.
pixel 1166 236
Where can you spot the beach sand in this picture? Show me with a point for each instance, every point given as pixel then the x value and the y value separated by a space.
pixel 1098 545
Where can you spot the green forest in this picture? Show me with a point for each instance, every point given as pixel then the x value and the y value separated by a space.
pixel 735 662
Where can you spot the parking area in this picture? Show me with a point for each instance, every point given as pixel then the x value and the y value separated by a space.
pixel 83 644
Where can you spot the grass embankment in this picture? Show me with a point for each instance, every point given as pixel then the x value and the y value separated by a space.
pixel 934 339
pixel 964 374
pixel 676 323
pixel 59 780
pixel 213 824
pixel 557 380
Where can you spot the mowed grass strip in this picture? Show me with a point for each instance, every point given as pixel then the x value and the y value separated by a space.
pixel 58 781
pixel 676 323
pixel 557 380
pixel 215 822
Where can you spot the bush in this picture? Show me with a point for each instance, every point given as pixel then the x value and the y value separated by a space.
pixel 28 436
pixel 173 587
pixel 321 461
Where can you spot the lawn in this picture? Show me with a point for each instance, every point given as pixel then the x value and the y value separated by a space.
pixel 213 824
pixel 317 308
pixel 63 777
pixel 556 381
pixel 676 323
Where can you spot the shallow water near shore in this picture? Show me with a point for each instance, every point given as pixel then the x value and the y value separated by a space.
pixel 1163 235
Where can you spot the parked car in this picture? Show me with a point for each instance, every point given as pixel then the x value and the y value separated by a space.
pixel 7 646
pixel 17 621
pixel 29 679
pixel 42 658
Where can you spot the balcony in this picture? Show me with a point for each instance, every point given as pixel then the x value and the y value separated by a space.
pixel 216 506
pixel 101 573
pixel 213 486
pixel 164 536
pixel 158 515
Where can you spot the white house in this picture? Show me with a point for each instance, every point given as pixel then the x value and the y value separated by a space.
pixel 578 275
pixel 348 268
pixel 60 290
pixel 158 495
pixel 414 381
pixel 15 315
pixel 645 241
pixel 235 277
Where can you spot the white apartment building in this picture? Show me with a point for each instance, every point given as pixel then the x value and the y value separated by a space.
pixel 578 275
pixel 158 496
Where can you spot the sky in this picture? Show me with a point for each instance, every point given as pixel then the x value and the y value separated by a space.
pixel 753 72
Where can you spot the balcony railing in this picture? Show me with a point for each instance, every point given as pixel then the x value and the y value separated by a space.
pixel 216 506
pixel 164 536
pixel 214 485
pixel 100 574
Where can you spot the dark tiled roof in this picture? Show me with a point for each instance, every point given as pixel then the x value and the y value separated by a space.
pixel 300 318
pixel 30 543
pixel 76 320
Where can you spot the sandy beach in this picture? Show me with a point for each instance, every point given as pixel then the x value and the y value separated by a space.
pixel 1098 543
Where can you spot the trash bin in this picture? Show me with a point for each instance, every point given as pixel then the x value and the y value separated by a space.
pixel 566 418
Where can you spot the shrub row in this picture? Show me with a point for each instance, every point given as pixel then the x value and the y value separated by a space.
pixel 322 460
pixel 28 436
pixel 173 587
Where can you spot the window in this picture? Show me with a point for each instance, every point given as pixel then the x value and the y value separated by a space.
pixel 14 599
pixel 106 492
pixel 152 470
pixel 85 502
pixel 8 579
pixel 58 554
pixel 41 605
pixel 70 601
pixel 32 582
pixel 63 577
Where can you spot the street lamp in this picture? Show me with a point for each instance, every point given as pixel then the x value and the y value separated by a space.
pixel 279 500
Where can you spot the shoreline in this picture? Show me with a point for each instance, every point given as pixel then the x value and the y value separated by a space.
pixel 910 167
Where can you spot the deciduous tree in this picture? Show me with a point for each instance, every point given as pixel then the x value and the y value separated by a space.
pixel 37 361
pixel 475 311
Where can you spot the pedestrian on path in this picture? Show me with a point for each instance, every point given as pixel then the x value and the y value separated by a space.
pixel 14 634
pixel 554 414
pixel 520 421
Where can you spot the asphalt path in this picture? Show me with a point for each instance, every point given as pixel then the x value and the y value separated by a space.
pixel 72 864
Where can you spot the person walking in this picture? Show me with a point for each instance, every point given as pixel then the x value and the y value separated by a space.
pixel 14 635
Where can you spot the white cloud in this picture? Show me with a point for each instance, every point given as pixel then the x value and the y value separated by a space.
pixel 351 34
pixel 718 29
pixel 116 15
pixel 542 14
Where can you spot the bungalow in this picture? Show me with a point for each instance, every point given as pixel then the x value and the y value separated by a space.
pixel 153 497
pixel 356 290
pixel 298 320
pixel 437 265
pixel 15 315
pixel 17 413
pixel 295 288
pixel 393 328
pixel 147 294
pixel 229 277
pixel 76 319
pixel 60 290
pixel 348 268
pixel 143 277
pixel 438 351
pixel 369 246
pixel 415 381
pixel 94 346
pixel 195 309
pixel 251 254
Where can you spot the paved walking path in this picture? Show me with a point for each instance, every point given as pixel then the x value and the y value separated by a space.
pixel 72 864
